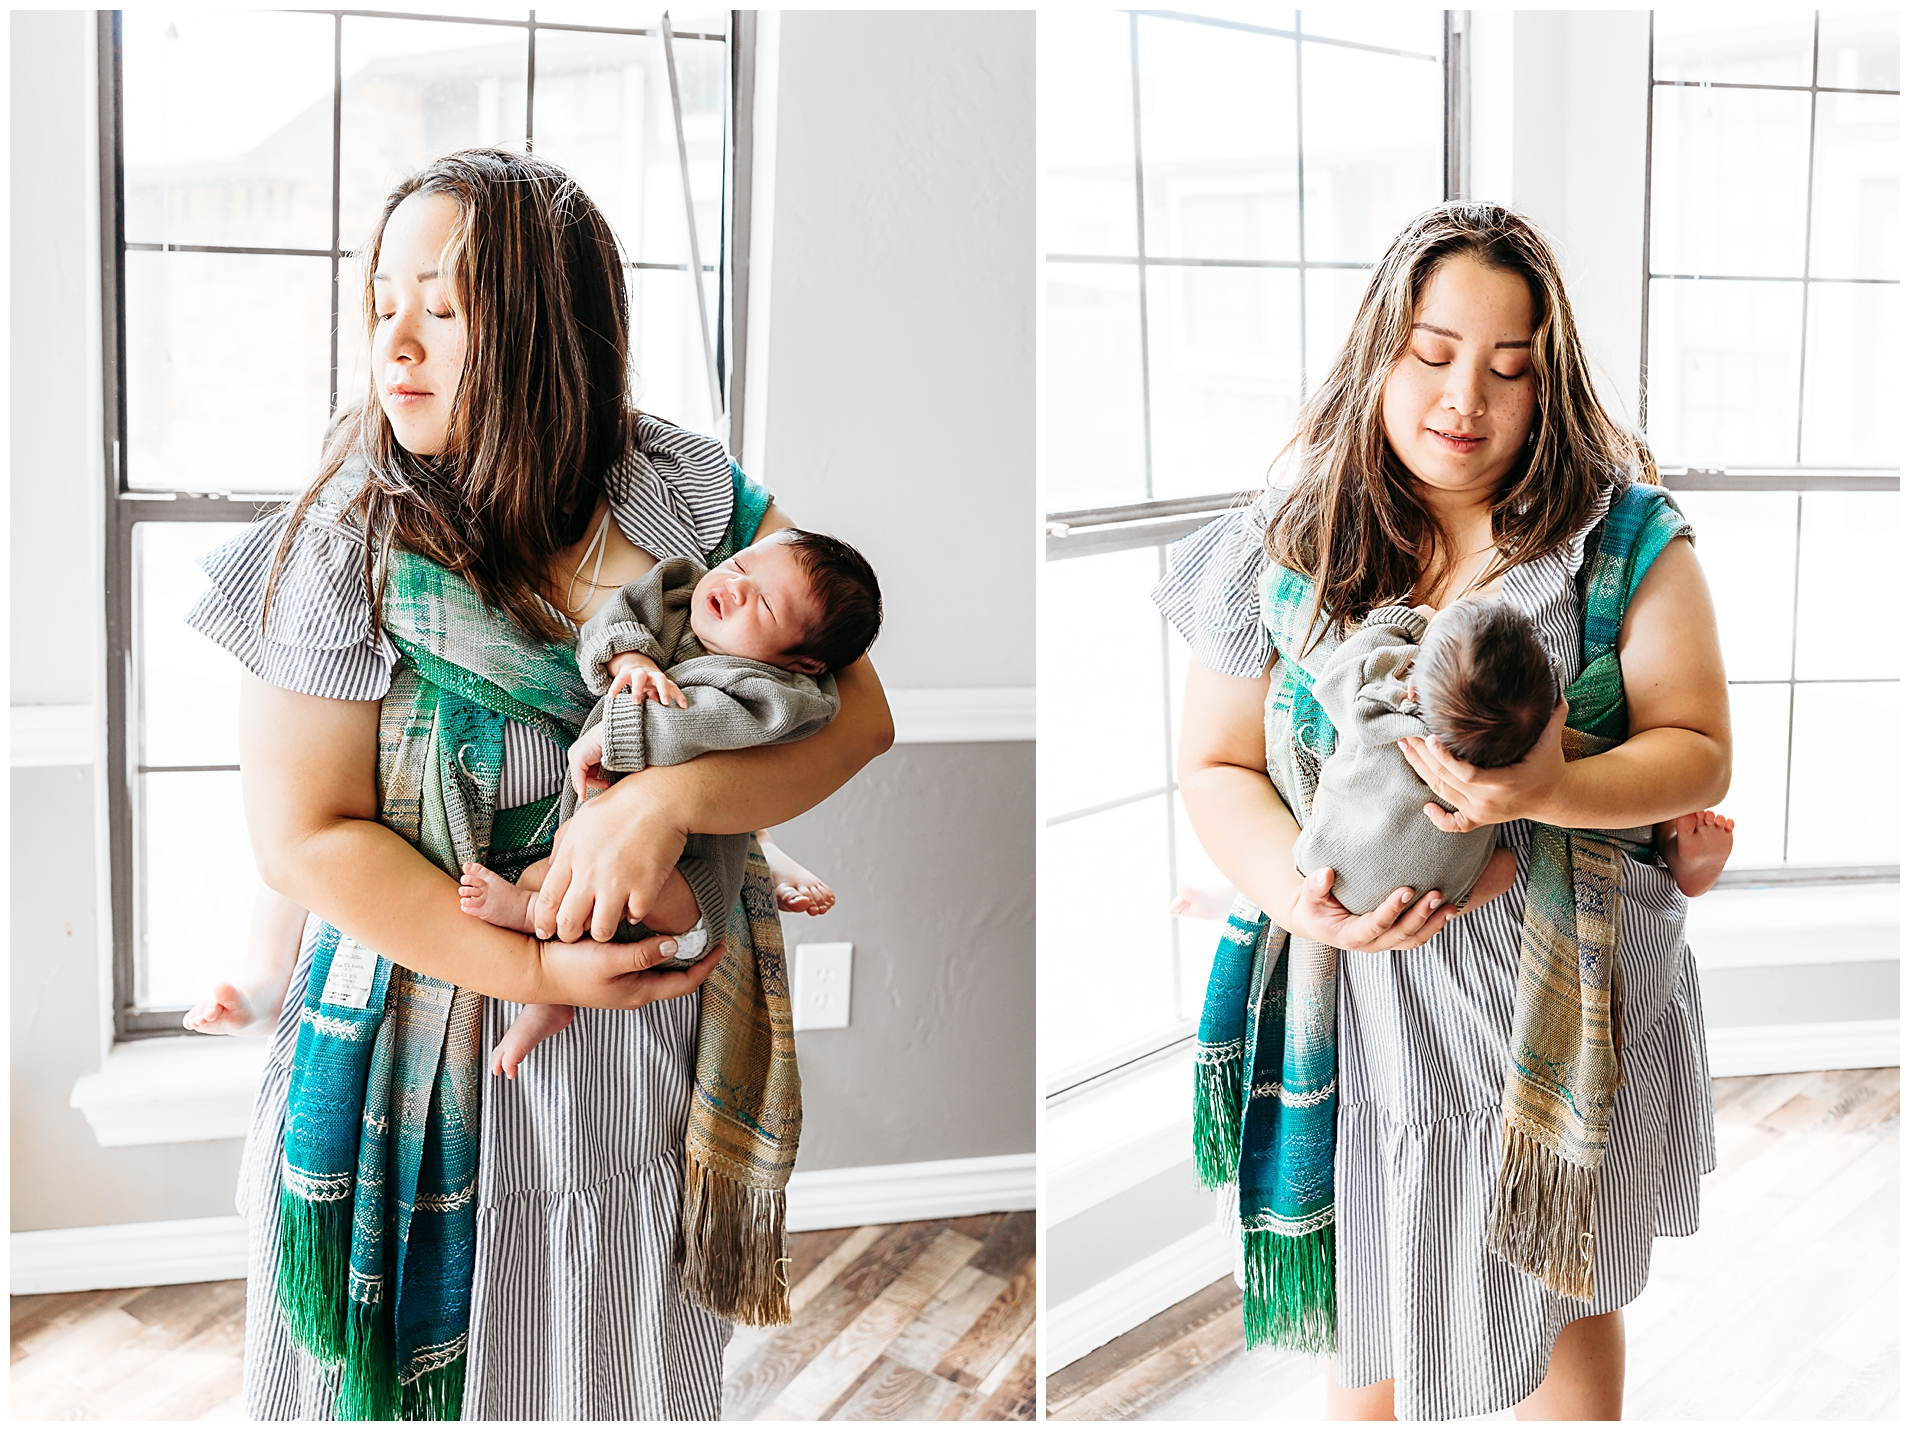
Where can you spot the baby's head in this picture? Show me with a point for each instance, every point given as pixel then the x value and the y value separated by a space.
pixel 1483 682
pixel 798 600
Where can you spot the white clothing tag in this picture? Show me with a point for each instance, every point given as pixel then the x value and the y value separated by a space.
pixel 348 981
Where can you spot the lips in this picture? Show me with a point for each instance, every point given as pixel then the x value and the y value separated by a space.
pixel 399 393
pixel 1458 442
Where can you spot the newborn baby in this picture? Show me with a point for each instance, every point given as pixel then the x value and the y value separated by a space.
pixel 1475 676
pixel 691 661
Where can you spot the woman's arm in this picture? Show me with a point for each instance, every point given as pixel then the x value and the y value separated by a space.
pixel 624 842
pixel 1678 757
pixel 311 806
pixel 1249 833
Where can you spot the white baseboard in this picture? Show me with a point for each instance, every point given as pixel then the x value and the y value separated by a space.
pixel 910 1192
pixel 1804 1048
pixel 130 1254
pixel 956 716
pixel 1122 1302
pixel 212 1249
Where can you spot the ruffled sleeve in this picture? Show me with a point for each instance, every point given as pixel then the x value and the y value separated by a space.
pixel 1211 591
pixel 673 491
pixel 320 639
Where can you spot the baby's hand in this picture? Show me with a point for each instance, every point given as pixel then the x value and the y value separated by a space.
pixel 643 677
pixel 586 756
pixel 227 1011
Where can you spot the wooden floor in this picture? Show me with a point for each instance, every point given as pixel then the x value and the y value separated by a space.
pixel 1783 1307
pixel 922 1321
pixel 931 1320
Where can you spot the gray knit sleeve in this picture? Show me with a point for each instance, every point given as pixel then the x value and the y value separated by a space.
pixel 1363 686
pixel 648 616
pixel 734 704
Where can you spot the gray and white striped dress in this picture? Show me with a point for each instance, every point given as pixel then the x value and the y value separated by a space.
pixel 1423 1040
pixel 576 1313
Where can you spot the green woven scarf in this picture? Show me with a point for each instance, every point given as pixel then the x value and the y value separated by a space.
pixel 1267 1062
pixel 378 1209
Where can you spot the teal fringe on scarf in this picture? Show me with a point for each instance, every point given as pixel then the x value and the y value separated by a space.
pixel 315 1273
pixel 1289 1294
pixel 1216 1122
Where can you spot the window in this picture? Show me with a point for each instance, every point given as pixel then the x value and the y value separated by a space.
pixel 1213 194
pixel 244 158
pixel 1772 381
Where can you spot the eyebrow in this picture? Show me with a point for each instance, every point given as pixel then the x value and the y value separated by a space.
pixel 424 277
pixel 1448 333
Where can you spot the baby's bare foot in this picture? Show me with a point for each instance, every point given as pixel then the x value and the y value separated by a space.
pixel 1696 852
pixel 495 899
pixel 530 1028
pixel 804 896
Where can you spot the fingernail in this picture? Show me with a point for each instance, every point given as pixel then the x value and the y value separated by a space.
pixel 1437 901
pixel 668 946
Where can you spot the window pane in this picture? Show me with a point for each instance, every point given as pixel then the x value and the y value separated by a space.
pixel 1854 232
pixel 198 883
pixel 1859 51
pixel 189 692
pixel 416 90
pixel 1728 175
pixel 1093 359
pixel 1217 137
pixel 1759 44
pixel 1853 381
pixel 668 373
pixel 1844 774
pixel 1100 702
pixel 1760 724
pixel 1851 564
pixel 1224 375
pixel 1747 544
pixel 227 365
pixel 220 149
pixel 1374 148
pixel 1104 932
pixel 1197 938
pixel 603 113
pixel 1086 106
pixel 1394 27
pixel 1723 370
pixel 1332 300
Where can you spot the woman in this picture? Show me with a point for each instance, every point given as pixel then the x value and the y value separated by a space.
pixel 494 443
pixel 1457 449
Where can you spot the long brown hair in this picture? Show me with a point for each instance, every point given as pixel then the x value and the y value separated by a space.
pixel 541 412
pixel 1351 520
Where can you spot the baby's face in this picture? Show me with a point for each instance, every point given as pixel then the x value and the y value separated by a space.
pixel 759 604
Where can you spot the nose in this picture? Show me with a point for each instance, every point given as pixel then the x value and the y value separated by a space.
pixel 1465 390
pixel 399 337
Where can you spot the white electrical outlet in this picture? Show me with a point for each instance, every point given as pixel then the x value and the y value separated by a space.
pixel 820 996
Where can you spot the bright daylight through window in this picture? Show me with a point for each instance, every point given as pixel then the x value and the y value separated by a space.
pixel 245 157
pixel 1213 194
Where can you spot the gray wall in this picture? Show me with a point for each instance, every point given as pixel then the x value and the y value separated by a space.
pixel 53 440
pixel 59 1176
pixel 931 852
pixel 900 415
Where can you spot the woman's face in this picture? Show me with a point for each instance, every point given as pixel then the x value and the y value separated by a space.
pixel 417 349
pixel 1457 407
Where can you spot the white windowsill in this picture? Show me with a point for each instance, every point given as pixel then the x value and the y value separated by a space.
pixel 192 1089
pixel 1795 925
pixel 1118 1134
pixel 51 735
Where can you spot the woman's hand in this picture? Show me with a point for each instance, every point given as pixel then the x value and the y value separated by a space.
pixel 1490 796
pixel 1399 922
pixel 619 976
pixel 612 862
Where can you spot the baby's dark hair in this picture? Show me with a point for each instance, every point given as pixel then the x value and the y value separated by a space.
pixel 1484 684
pixel 847 594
